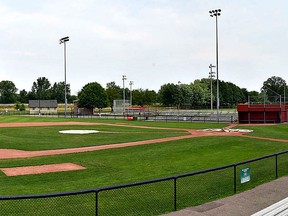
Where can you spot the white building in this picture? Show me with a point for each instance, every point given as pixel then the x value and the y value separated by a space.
pixel 43 107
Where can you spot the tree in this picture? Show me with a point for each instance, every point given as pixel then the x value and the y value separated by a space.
pixel 273 87
pixel 7 92
pixel 150 97
pixel 113 93
pixel 92 95
pixel 231 95
pixel 168 94
pixel 185 95
pixel 72 98
pixel 58 92
pixel 138 97
pixel 254 97
pixel 19 106
pixel 201 94
pixel 41 89
pixel 143 97
pixel 206 83
pixel 245 93
pixel 23 96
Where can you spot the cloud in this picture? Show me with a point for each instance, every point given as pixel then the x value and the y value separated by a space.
pixel 152 42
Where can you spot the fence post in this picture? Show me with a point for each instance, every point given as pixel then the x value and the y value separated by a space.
pixel 276 166
pixel 235 179
pixel 175 194
pixel 96 203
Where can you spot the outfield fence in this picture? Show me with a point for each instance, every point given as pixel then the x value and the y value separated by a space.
pixel 156 196
pixel 192 116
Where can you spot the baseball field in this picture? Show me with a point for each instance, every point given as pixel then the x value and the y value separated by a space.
pixel 35 158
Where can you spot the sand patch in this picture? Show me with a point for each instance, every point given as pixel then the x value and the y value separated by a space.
pixel 29 170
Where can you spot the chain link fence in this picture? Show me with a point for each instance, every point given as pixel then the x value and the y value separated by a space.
pixel 153 197
pixel 195 116
pixel 75 203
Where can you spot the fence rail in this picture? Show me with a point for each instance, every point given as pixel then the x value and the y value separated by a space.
pixel 152 197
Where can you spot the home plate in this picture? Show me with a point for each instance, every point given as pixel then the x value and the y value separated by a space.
pixel 78 131
pixel 29 170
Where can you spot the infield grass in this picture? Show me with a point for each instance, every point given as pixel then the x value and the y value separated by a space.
pixel 46 138
pixel 278 131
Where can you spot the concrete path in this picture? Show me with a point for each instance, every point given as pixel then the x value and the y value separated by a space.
pixel 242 204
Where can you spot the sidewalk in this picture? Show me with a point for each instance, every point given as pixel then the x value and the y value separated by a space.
pixel 242 204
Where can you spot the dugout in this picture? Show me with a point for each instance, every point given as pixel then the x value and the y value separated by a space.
pixel 262 113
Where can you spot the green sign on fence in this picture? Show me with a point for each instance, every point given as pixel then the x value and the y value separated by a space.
pixel 245 175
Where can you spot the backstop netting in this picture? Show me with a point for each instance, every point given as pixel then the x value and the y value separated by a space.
pixel 119 106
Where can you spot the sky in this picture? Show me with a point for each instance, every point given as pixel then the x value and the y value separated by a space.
pixel 152 42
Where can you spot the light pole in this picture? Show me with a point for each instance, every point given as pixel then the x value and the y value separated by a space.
pixel 131 83
pixel 211 75
pixel 216 13
pixel 64 40
pixel 124 78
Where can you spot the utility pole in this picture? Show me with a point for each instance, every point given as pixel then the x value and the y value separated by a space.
pixel 124 78
pixel 211 75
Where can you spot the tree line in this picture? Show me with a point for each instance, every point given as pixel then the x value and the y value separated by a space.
pixel 41 89
pixel 197 94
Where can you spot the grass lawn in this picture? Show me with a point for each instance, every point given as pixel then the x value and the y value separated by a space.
pixel 131 164
pixel 40 138
pixel 278 131
pixel 137 163
pixel 187 125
